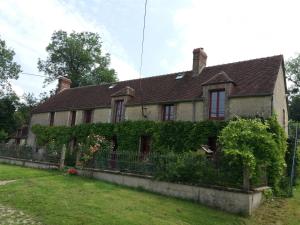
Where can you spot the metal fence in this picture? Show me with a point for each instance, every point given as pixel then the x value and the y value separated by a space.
pixel 29 153
pixel 189 168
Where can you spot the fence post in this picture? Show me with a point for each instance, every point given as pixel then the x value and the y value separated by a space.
pixel 62 157
pixel 77 163
pixel 246 179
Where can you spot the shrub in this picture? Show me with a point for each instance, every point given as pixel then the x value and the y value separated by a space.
pixel 3 136
pixel 254 144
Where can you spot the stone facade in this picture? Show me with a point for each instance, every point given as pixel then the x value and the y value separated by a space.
pixel 279 101
pixel 197 110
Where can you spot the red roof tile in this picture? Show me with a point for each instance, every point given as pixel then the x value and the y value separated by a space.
pixel 251 78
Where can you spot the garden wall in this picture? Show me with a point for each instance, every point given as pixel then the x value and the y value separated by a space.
pixel 27 163
pixel 230 200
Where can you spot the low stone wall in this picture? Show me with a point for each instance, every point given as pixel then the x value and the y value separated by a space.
pixel 230 200
pixel 27 163
pixel 227 199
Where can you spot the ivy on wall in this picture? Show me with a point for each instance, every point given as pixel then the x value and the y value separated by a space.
pixel 175 136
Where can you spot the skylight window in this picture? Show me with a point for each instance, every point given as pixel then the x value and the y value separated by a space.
pixel 112 86
pixel 179 76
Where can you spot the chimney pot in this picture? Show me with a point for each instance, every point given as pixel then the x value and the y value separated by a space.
pixel 199 61
pixel 63 84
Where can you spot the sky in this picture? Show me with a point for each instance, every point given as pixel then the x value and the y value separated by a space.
pixel 229 31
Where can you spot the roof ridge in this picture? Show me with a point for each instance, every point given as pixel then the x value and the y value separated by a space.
pixel 174 73
pixel 244 61
pixel 144 78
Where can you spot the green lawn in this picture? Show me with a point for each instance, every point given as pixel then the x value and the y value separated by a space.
pixel 53 198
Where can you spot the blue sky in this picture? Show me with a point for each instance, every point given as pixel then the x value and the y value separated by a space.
pixel 231 30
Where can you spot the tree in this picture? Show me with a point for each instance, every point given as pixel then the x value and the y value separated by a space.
pixel 79 55
pixel 8 68
pixel 293 73
pixel 294 109
pixel 8 106
pixel 23 109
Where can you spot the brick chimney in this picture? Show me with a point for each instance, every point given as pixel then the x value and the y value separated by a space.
pixel 199 61
pixel 63 84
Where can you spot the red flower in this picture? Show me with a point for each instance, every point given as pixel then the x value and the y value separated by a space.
pixel 72 171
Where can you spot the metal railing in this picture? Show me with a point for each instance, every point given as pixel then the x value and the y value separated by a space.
pixel 173 167
pixel 29 153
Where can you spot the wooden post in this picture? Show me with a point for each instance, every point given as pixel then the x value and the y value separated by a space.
pixel 62 158
pixel 246 179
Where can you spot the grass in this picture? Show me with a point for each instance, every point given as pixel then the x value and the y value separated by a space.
pixel 53 198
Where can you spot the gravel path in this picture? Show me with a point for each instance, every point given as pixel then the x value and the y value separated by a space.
pixel 3 182
pixel 9 216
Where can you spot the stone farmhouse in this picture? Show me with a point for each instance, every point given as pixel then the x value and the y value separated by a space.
pixel 254 87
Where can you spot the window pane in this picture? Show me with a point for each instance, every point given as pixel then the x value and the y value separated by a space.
pixel 119 111
pixel 52 118
pixel 213 104
pixel 171 116
pixel 168 113
pixel 88 116
pixel 221 103
pixel 73 118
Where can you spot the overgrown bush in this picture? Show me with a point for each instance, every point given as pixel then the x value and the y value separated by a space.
pixel 254 144
pixel 3 136
pixel 193 167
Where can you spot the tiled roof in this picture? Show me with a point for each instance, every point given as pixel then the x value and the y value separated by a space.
pixel 251 78
pixel 219 78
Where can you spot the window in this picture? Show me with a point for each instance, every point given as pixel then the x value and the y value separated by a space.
pixel 52 118
pixel 168 112
pixel 119 110
pixel 217 105
pixel 73 118
pixel 87 118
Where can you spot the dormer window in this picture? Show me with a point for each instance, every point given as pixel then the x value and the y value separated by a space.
pixel 217 105
pixel 119 111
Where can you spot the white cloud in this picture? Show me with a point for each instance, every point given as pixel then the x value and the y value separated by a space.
pixel 28 25
pixel 17 89
pixel 235 30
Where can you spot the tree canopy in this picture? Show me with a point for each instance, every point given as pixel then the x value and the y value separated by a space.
pixel 8 68
pixel 293 73
pixel 78 55
pixel 14 113
pixel 294 109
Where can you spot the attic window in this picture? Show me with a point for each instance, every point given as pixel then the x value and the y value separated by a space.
pixel 179 76
pixel 112 86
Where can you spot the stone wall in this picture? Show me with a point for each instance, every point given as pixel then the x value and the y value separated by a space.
pixel 61 118
pixel 250 106
pixel 41 118
pixel 153 112
pixel 279 100
pixel 230 200
pixel 26 163
pixel 102 115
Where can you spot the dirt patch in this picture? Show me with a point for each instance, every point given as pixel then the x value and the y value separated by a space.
pixel 4 182
pixel 11 216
